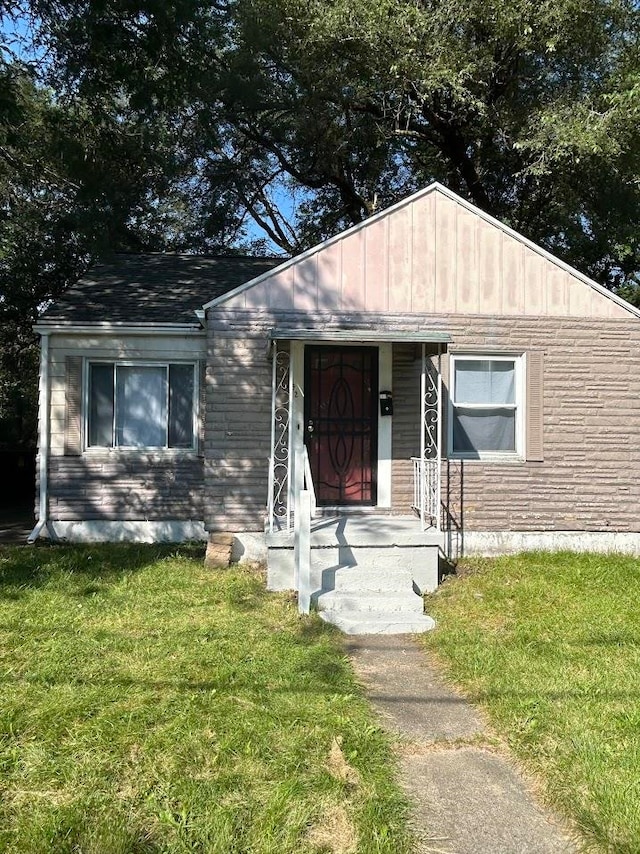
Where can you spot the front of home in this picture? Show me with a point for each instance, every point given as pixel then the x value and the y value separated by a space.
pixel 429 365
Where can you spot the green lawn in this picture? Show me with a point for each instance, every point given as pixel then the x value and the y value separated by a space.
pixel 150 705
pixel 549 645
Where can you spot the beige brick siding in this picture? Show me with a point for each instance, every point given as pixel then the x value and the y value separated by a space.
pixel 238 428
pixel 589 479
pixel 590 476
pixel 139 487
pixel 407 366
pixel 113 484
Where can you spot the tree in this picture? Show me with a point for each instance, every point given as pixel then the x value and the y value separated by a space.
pixel 528 109
pixel 198 125
pixel 71 188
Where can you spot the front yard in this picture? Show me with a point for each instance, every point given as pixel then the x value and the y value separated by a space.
pixel 549 645
pixel 149 705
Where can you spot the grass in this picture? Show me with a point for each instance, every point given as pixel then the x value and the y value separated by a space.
pixel 149 705
pixel 549 645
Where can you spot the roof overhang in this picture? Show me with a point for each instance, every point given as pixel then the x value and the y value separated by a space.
pixel 102 328
pixel 360 336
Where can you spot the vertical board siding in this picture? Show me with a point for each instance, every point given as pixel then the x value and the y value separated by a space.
pixel 513 281
pixel 489 266
pixel 352 264
pixel 446 248
pixel 305 284
pixel 400 261
pixel 377 266
pixel 431 254
pixel 329 279
pixel 424 255
pixel 467 296
pixel 281 290
pixel 534 283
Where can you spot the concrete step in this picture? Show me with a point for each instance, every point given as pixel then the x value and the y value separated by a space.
pixel 365 601
pixel 373 578
pixel 378 624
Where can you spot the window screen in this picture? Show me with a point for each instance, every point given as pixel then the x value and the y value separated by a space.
pixel 484 405
pixel 141 406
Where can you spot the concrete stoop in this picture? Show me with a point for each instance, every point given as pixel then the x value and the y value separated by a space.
pixel 367 572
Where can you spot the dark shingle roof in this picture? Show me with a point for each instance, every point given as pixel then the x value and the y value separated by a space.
pixel 153 288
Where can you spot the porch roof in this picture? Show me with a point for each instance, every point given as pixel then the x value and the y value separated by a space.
pixel 426 336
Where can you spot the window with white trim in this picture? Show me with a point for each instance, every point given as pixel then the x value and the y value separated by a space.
pixel 486 406
pixel 141 405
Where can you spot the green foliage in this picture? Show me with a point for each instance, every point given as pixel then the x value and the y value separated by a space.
pixel 528 109
pixel 549 645
pixel 144 124
pixel 151 705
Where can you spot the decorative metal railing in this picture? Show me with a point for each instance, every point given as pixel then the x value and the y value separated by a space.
pixel 278 499
pixel 426 489
pixel 426 468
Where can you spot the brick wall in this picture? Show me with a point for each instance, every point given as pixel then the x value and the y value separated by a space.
pixel 589 478
pixel 120 487
pixel 116 485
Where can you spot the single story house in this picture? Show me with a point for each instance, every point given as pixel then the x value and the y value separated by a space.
pixel 428 381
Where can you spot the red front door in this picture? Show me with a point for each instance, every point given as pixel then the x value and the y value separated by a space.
pixel 341 423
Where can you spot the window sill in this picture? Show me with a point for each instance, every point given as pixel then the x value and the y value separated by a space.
pixel 507 459
pixel 140 452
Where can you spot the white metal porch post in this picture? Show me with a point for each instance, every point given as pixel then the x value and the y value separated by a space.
pixel 423 440
pixel 430 441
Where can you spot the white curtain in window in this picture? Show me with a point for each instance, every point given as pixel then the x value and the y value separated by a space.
pixel 485 381
pixel 141 407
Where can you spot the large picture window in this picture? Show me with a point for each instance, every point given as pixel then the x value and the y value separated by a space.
pixel 140 405
pixel 486 406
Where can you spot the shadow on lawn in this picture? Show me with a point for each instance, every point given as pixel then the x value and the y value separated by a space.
pixel 226 687
pixel 23 568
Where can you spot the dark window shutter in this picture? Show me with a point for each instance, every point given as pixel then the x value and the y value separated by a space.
pixel 535 406
pixel 444 405
pixel 73 406
pixel 202 405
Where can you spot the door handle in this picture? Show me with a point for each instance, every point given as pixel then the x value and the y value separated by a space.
pixel 310 427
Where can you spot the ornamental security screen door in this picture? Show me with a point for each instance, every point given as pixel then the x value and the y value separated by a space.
pixel 341 423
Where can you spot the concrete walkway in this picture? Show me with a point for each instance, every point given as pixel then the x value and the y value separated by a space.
pixel 15 526
pixel 467 797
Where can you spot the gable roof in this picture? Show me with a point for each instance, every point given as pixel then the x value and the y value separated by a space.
pixel 432 252
pixel 152 288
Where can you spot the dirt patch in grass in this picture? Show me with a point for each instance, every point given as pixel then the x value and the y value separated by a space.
pixel 334 832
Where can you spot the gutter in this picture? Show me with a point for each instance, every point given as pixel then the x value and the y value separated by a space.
pixel 43 450
pixel 67 327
